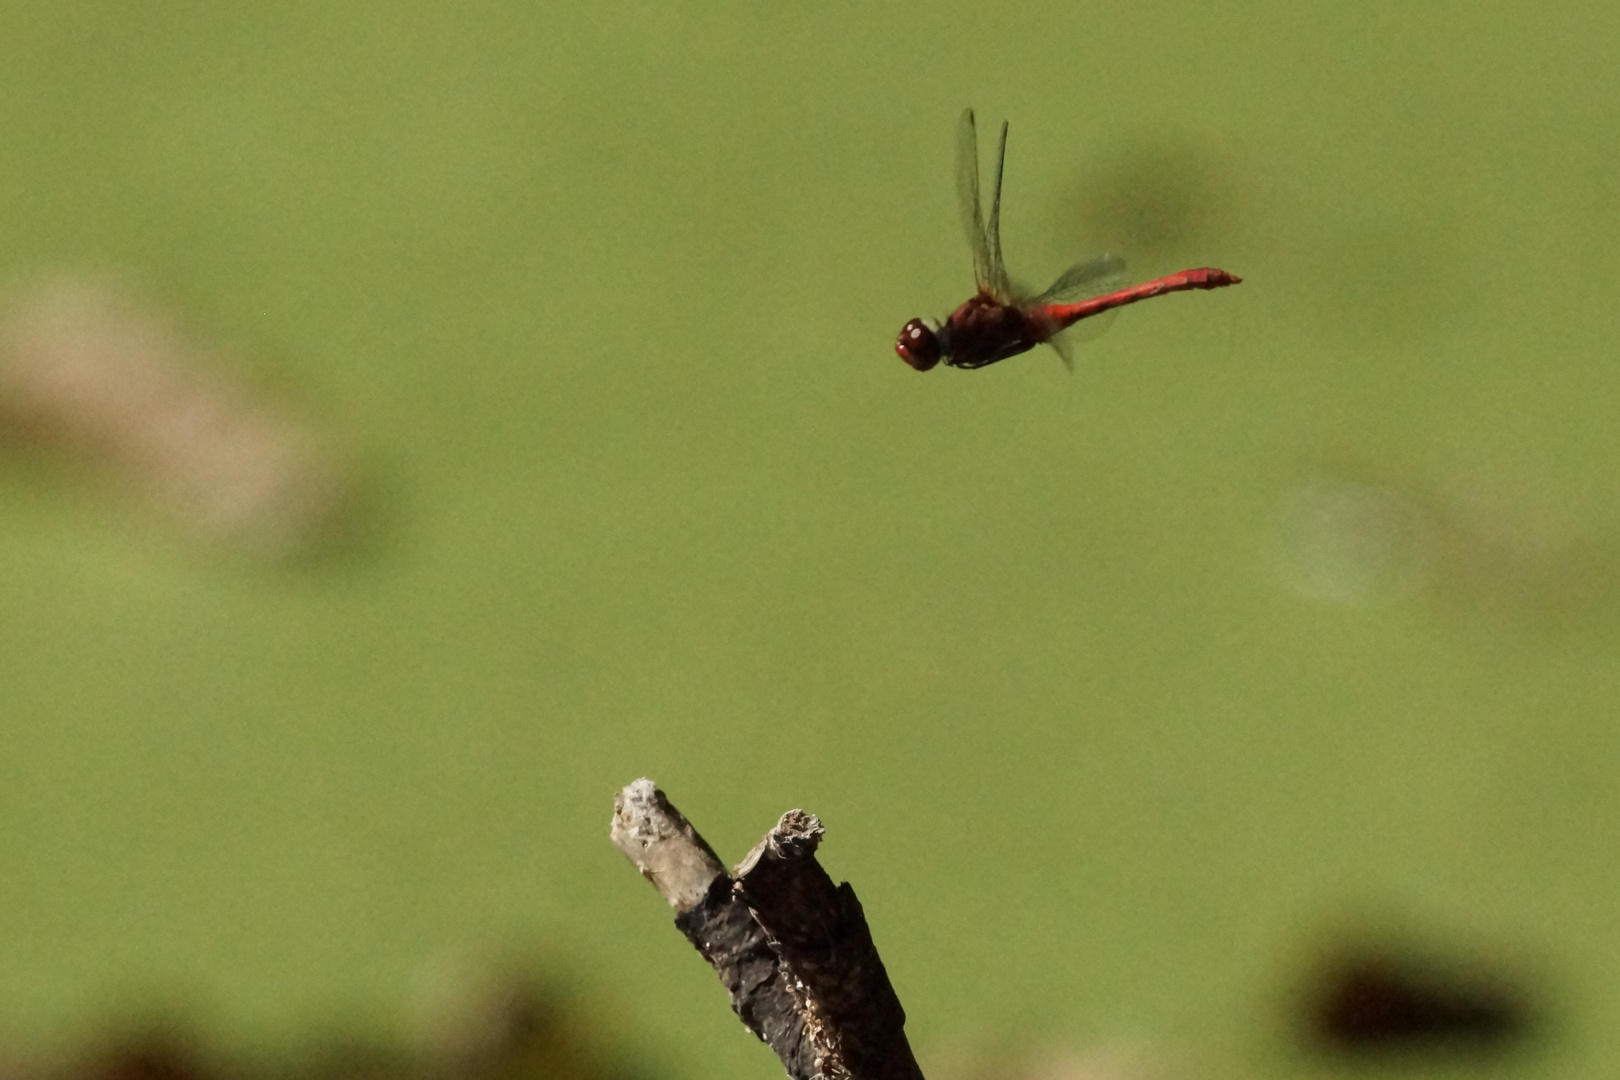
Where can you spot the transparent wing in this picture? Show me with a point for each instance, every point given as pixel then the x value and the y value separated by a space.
pixel 1060 345
pixel 1091 277
pixel 989 273
pixel 998 268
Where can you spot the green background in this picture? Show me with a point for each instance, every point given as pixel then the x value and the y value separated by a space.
pixel 605 295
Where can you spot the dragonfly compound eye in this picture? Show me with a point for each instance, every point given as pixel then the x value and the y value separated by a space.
pixel 918 344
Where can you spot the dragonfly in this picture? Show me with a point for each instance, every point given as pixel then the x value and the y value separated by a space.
pixel 1001 320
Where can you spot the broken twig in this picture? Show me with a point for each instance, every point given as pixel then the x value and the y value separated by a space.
pixel 792 949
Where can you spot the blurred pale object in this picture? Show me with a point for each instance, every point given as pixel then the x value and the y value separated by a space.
pixel 85 368
pixel 1484 546
pixel 1352 542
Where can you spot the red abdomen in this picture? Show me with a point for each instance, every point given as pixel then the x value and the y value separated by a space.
pixel 1205 277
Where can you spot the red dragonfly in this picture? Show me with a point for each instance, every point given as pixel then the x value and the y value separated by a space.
pixel 1001 321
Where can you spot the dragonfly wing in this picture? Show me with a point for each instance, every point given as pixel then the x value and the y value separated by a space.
pixel 1092 277
pixel 1060 345
pixel 998 268
pixel 988 272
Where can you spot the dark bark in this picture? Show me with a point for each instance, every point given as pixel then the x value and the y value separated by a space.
pixel 791 948
pixel 737 948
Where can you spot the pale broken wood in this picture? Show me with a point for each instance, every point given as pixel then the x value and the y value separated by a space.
pixel 792 949
pixel 663 845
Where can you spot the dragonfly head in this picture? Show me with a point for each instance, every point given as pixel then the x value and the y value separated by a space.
pixel 919 344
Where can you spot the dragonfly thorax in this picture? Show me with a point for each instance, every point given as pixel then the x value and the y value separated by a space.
pixel 986 329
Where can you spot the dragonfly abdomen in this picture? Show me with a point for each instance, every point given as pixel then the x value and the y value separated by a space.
pixel 1205 277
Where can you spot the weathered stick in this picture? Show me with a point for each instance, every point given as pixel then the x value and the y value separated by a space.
pixel 792 949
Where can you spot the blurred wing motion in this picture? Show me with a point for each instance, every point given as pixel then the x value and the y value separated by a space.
pixel 1095 276
pixel 989 272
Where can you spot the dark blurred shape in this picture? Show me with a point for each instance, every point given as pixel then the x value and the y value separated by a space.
pixel 494 1027
pixel 150 1055
pixel 1378 1001
pixel 509 1027
pixel 1155 197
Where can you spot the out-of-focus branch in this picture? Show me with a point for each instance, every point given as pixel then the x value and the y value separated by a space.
pixel 94 373
pixel 792 949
